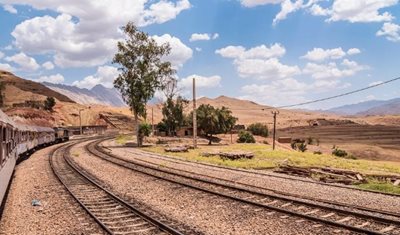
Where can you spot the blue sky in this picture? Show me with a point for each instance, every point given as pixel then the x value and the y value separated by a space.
pixel 275 52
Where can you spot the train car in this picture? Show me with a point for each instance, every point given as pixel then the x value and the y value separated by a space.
pixel 61 134
pixel 18 140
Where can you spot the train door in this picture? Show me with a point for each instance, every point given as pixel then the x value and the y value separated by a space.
pixel 2 156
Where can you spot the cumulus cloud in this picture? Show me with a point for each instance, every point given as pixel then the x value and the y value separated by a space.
pixel 10 9
pixel 105 76
pixel 25 62
pixel 320 54
pixel 361 10
pixel 259 62
pixel 287 7
pixel 391 31
pixel 56 79
pixel 48 65
pixel 180 53
pixel 201 81
pixel 203 37
pixel 332 70
pixel 80 38
pixel 253 3
pixel 6 67
pixel 1 55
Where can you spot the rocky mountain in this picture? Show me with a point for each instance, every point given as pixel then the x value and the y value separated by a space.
pixel 372 107
pixel 97 95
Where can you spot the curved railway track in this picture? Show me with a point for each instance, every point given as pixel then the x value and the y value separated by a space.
pixel 183 161
pixel 368 222
pixel 112 213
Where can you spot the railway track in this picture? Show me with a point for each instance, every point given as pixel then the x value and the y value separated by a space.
pixel 112 213
pixel 367 222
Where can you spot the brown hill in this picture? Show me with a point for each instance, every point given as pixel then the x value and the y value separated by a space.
pixel 28 89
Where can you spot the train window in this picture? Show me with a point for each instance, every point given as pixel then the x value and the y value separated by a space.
pixel 4 134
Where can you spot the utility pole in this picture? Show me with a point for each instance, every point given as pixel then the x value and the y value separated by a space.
pixel 80 121
pixel 275 112
pixel 152 121
pixel 194 115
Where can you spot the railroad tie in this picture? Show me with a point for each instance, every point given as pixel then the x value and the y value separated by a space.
pixel 387 229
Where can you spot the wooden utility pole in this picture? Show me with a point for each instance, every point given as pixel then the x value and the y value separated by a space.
pixel 152 121
pixel 274 134
pixel 80 122
pixel 194 115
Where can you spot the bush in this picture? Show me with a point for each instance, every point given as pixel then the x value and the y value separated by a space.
pixel 258 129
pixel 144 129
pixel 245 137
pixel 299 145
pixel 313 141
pixel 339 152
pixel 49 103
pixel 318 152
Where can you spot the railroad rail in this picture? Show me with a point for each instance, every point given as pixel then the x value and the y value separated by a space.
pixel 349 219
pixel 112 213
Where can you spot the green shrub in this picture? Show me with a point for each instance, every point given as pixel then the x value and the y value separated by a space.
pixel 318 152
pixel 258 129
pixel 312 141
pixel 144 129
pixel 245 137
pixel 299 145
pixel 339 152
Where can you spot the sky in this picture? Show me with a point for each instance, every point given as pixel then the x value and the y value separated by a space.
pixel 274 52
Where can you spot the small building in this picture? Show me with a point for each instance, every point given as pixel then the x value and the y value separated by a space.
pixel 285 140
pixel 87 130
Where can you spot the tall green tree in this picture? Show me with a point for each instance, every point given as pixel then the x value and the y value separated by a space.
pixel 142 70
pixel 173 116
pixel 214 121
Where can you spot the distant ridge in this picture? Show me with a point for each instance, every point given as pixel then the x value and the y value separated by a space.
pixel 372 107
pixel 97 95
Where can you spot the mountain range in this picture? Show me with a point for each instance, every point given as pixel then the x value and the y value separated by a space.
pixel 96 95
pixel 371 107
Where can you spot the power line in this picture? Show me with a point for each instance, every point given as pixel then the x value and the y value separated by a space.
pixel 340 95
pixel 330 97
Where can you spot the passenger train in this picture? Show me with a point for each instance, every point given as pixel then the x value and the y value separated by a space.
pixel 17 141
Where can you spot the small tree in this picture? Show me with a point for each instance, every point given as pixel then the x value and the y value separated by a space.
pixel 49 103
pixel 258 129
pixel 142 72
pixel 245 137
pixel 173 116
pixel 144 130
pixel 214 121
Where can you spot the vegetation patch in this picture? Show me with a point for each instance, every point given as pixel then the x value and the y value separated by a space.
pixel 381 187
pixel 122 139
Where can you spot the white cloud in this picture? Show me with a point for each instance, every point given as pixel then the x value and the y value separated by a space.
pixel 203 37
pixel 10 9
pixel 48 65
pixel 259 52
pixel 317 10
pixel 198 49
pixel 287 7
pixel 320 54
pixel 81 38
pixel 1 55
pixel 391 31
pixel 353 51
pixel 57 78
pixel 180 53
pixel 253 3
pixel 105 76
pixel 201 81
pixel 24 61
pixel 332 70
pixel 259 62
pixel 6 67
pixel 361 10
pixel 375 83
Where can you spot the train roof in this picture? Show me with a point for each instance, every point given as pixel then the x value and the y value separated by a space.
pixel 6 119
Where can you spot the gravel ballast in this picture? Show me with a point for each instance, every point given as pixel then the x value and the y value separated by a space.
pixel 58 212
pixel 271 181
pixel 201 211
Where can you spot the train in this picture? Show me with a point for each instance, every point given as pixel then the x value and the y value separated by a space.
pixel 18 141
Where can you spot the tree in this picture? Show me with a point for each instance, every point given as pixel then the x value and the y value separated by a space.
pixel 214 121
pixel 173 116
pixel 245 137
pixel 258 129
pixel 49 103
pixel 142 72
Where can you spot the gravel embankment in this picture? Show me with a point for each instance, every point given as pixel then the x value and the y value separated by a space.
pixel 201 211
pixel 292 186
pixel 58 213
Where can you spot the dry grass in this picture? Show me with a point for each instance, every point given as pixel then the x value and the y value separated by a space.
pixel 266 158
